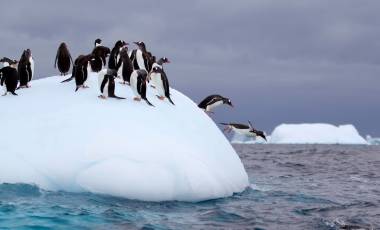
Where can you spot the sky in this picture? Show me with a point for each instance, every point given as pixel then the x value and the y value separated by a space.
pixel 278 61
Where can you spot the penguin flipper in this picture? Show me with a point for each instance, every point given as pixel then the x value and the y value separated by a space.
pixel 67 80
pixel 13 93
pixel 116 97
pixel 148 102
pixel 170 100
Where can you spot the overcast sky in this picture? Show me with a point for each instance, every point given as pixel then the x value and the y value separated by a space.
pixel 278 61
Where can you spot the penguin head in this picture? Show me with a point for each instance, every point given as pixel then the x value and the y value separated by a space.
pixel 227 101
pixel 98 41
pixel 140 44
pixel 165 60
pixel 259 133
pixel 119 44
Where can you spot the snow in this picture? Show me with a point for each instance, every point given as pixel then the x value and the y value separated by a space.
pixel 62 140
pixel 316 133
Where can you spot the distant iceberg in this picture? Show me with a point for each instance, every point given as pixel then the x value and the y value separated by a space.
pixel 373 140
pixel 59 139
pixel 317 133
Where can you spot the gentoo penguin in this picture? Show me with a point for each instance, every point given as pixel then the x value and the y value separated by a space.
pixel 100 54
pixel 161 82
pixel 26 68
pixel 113 62
pixel 106 81
pixel 126 67
pixel 242 129
pixel 139 56
pixel 213 101
pixel 138 84
pixel 63 58
pixel 9 77
pixel 160 62
pixel 81 74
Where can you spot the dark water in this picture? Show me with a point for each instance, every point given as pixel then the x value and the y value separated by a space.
pixel 294 187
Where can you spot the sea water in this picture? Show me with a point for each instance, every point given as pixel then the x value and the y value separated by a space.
pixel 292 187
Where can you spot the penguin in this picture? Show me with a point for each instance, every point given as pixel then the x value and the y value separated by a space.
pixel 160 62
pixel 81 73
pixel 97 42
pixel 140 56
pixel 100 54
pixel 126 67
pixel 25 68
pixel 9 77
pixel 7 61
pixel 63 58
pixel 106 82
pixel 113 62
pixel 138 84
pixel 246 130
pixel 213 101
pixel 162 84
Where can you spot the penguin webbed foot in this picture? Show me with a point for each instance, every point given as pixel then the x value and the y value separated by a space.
pixel 102 97
pixel 137 99
pixel 160 97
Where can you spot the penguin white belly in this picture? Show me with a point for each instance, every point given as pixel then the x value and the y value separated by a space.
pixel 133 82
pixel 129 54
pixel 140 59
pixel 159 85
pixel 153 78
pixel 105 90
pixel 244 132
pixel 32 66
pixel 5 64
pixel 213 106
pixel 101 75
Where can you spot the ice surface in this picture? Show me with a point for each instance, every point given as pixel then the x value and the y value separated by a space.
pixel 62 140
pixel 317 133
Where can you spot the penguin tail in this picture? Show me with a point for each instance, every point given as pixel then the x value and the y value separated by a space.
pixel 13 93
pixel 170 100
pixel 223 123
pixel 148 102
pixel 119 98
pixel 67 80
pixel 77 88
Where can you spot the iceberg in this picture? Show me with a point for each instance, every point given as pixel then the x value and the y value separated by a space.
pixel 316 133
pixel 59 139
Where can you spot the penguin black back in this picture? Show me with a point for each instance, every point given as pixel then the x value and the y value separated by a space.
pixel 63 59
pixel 24 69
pixel 9 77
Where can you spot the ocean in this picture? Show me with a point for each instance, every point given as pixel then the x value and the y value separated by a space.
pixel 292 187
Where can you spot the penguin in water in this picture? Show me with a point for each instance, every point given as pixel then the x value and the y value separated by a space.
pixel 9 77
pixel 138 84
pixel 63 58
pixel 126 67
pixel 113 60
pixel 26 68
pixel 161 82
pixel 100 54
pixel 213 101
pixel 140 56
pixel 106 81
pixel 242 129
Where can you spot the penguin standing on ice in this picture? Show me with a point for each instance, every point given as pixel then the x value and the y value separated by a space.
pixel 140 56
pixel 113 60
pixel 81 73
pixel 138 84
pixel 26 68
pixel 9 77
pixel 213 101
pixel 126 67
pixel 242 129
pixel 107 84
pixel 63 59
pixel 162 83
pixel 100 54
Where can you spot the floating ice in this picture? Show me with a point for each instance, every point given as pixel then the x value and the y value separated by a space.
pixel 62 140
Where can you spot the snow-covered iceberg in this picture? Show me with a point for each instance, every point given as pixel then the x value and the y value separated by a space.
pixel 317 133
pixel 62 140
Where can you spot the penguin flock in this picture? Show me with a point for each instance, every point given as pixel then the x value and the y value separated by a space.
pixel 137 68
